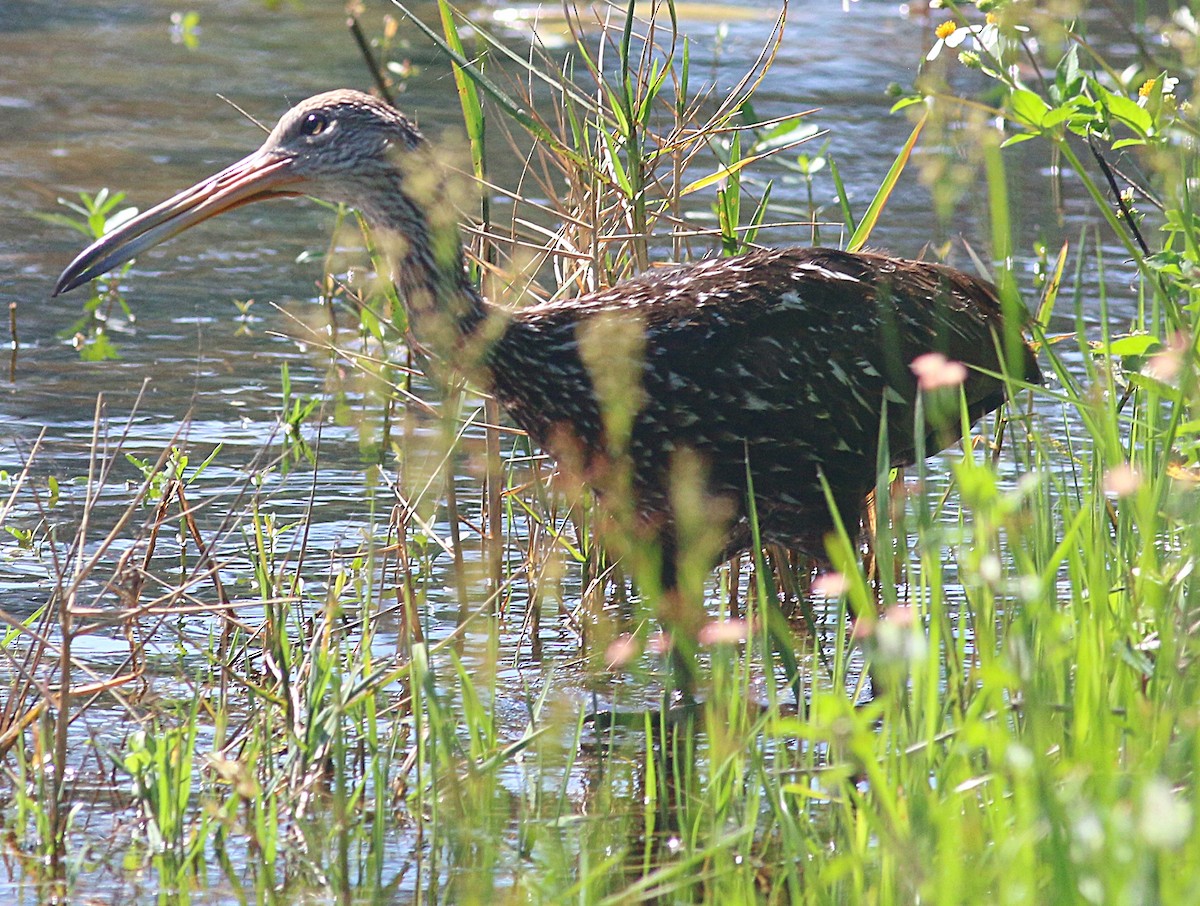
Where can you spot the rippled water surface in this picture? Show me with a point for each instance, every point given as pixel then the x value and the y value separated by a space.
pixel 99 94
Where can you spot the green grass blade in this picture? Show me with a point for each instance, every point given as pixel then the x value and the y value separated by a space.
pixel 863 231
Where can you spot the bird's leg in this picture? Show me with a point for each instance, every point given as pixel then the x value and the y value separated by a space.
pixel 870 535
pixel 787 569
pixel 870 524
pixel 682 618
pixel 735 569
pixel 680 610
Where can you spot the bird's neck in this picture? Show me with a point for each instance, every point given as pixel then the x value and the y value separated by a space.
pixel 422 238
pixel 445 307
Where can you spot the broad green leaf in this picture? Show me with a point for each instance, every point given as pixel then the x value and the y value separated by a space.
pixel 1028 107
pixel 1128 112
pixel 1135 344
pixel 789 132
pixel 1058 115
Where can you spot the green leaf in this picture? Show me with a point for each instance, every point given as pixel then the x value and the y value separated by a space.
pixel 790 132
pixel 64 220
pixel 1068 79
pixel 906 102
pixel 1128 112
pixel 1018 138
pixel 1028 107
pixel 1135 344
pixel 1058 115
pixel 121 217
pixel 718 175
pixel 843 199
pixel 99 348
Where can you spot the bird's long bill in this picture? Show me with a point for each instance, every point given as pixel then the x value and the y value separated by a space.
pixel 260 175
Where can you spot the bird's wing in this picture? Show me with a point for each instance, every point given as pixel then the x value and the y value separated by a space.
pixel 795 353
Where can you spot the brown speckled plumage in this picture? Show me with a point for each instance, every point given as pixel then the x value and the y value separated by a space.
pixel 785 356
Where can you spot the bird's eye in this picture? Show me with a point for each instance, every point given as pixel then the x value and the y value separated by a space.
pixel 314 124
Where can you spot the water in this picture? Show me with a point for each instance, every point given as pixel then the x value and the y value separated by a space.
pixel 99 95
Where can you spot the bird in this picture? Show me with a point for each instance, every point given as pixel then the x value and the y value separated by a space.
pixel 775 370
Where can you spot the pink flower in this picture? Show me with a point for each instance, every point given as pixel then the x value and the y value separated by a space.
pixel 934 370
pixel 1122 481
pixel 659 643
pixel 830 585
pixel 723 632
pixel 864 627
pixel 620 651
pixel 1165 365
pixel 900 615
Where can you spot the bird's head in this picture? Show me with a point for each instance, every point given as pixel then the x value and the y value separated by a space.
pixel 337 146
pixel 340 146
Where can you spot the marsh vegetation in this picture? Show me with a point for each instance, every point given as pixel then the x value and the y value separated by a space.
pixel 353 642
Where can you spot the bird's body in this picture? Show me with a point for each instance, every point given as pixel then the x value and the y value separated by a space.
pixel 776 362
pixel 779 359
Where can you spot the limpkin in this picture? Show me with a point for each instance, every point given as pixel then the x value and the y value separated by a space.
pixel 777 364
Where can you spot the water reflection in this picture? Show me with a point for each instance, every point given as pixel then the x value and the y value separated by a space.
pixel 150 121
pixel 98 95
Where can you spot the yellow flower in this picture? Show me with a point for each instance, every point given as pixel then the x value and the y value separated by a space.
pixel 1147 87
pixel 985 38
pixel 993 19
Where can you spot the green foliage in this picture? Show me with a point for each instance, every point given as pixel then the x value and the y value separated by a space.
pixel 93 216
pixel 295 412
pixel 1025 626
pixel 161 765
